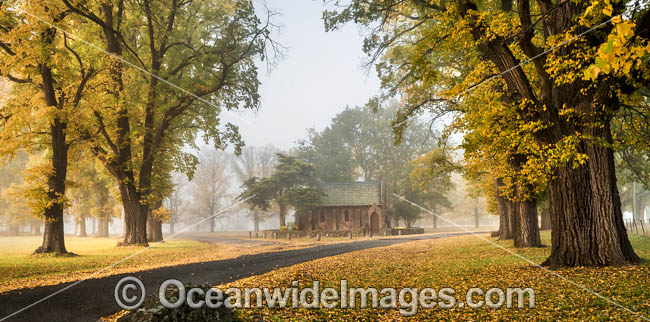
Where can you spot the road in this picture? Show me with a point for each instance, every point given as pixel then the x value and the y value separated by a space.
pixel 94 298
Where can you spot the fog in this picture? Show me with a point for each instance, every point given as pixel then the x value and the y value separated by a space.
pixel 321 74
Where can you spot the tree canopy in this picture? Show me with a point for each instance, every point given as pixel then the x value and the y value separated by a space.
pixel 292 185
pixel 534 90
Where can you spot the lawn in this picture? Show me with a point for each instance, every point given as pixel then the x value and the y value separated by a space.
pixel 20 269
pixel 462 263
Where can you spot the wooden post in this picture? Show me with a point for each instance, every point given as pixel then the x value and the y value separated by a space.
pixel 250 234
pixel 317 236
pixel 264 234
pixel 642 228
pixel 289 235
pixel 349 235
pixel 257 235
pixel 636 229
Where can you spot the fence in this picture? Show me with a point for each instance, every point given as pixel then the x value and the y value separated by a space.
pixel 637 227
pixel 289 234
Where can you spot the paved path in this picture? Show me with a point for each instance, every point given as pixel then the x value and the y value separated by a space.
pixel 94 298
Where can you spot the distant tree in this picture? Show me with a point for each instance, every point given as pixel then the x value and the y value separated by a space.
pixel 405 211
pixel 90 195
pixel 328 152
pixel 175 202
pixel 631 132
pixel 210 185
pixel 431 180
pixel 292 185
pixel 360 143
pixel 13 211
pixel 255 162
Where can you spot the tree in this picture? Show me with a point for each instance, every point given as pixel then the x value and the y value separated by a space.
pixel 50 82
pixel 211 185
pixel 292 185
pixel 162 186
pixel 431 177
pixel 361 144
pixel 631 136
pixel 210 47
pixel 175 202
pixel 255 163
pixel 12 205
pixel 564 100
pixel 491 155
pixel 90 195
pixel 328 153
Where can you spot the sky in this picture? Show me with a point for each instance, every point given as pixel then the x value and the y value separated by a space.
pixel 320 75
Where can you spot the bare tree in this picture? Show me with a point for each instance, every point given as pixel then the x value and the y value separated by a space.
pixel 255 162
pixel 210 185
pixel 175 202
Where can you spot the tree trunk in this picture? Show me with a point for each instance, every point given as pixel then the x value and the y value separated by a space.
pixel 256 220
pixel 135 224
pixel 154 229
pixel 512 215
pixel 171 227
pixel 81 223
pixel 546 219
pixel 212 224
pixel 53 237
pixel 145 209
pixel 13 230
pixel 102 229
pixel 283 213
pixel 35 228
pixel 476 217
pixel 157 231
pixel 586 217
pixel 149 228
pixel 135 220
pixel 526 228
pixel 122 222
pixel 434 216
pixel 505 224
pixel 106 226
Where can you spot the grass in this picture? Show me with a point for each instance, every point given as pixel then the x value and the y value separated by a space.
pixel 462 263
pixel 20 269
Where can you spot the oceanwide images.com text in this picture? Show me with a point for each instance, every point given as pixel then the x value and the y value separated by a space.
pixel 407 300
